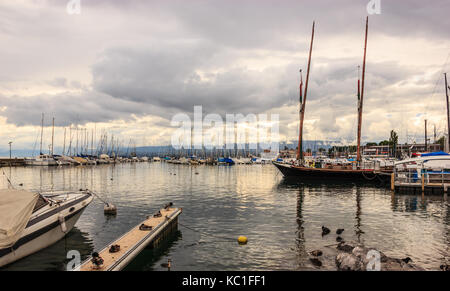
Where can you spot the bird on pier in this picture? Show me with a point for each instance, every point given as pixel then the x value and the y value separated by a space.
pixel 339 230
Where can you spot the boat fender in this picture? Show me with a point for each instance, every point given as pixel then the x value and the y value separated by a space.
pixel 62 222
pixel 110 209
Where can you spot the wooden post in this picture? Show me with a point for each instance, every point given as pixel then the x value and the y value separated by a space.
pixel 423 183
pixel 392 181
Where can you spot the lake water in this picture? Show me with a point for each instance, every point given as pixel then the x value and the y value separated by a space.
pixel 281 218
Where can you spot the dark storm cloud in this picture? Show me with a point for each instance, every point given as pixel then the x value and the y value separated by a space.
pixel 200 61
pixel 260 22
pixel 69 108
pixel 181 76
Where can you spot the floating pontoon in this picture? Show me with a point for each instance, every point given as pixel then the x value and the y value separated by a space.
pixel 118 254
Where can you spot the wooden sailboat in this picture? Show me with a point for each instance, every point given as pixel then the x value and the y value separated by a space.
pixel 353 172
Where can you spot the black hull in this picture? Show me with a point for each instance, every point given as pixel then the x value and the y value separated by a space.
pixel 330 174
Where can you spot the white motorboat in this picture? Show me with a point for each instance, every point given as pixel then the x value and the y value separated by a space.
pixel 439 160
pixel 30 222
pixel 41 160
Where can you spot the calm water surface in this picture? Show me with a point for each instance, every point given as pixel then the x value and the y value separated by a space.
pixel 281 218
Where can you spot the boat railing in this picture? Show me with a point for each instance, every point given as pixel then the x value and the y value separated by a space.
pixel 421 174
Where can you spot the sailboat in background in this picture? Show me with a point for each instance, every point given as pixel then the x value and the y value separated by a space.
pixel 42 159
pixel 359 170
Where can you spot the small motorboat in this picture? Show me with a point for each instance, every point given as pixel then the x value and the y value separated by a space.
pixel 41 160
pixel 30 222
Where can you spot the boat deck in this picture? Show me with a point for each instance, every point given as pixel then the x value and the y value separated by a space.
pixel 134 241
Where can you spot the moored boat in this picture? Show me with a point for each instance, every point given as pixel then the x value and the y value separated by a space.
pixel 332 172
pixel 30 222
pixel 41 160
pixel 353 170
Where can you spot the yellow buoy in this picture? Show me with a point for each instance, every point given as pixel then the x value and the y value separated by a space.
pixel 242 240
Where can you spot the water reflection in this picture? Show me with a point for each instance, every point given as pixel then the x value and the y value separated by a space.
pixel 281 217
pixel 300 240
pixel 147 259
pixel 54 257
pixel 399 225
pixel 358 230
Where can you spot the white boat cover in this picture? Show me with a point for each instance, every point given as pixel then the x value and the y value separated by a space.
pixel 16 207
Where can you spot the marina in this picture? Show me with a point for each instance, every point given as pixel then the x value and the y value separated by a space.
pixel 281 217
pixel 224 136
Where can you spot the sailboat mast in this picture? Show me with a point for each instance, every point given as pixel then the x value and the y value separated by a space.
pixel 53 134
pixel 448 111
pixel 64 146
pixel 42 132
pixel 360 104
pixel 302 107
pixel 300 116
pixel 92 142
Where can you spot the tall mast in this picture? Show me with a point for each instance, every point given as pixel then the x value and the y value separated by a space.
pixel 360 104
pixel 300 116
pixel 64 146
pixel 448 111
pixel 426 137
pixel 302 106
pixel 53 134
pixel 42 132
pixel 92 142
pixel 70 143
pixel 86 141
pixel 78 137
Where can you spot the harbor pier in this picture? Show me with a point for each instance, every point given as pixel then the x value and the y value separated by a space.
pixel 149 233
pixel 421 181
pixel 12 162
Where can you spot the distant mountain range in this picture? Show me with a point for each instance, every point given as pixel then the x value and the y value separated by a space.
pixel 160 150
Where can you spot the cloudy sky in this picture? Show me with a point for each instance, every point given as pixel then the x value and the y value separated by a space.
pixel 128 67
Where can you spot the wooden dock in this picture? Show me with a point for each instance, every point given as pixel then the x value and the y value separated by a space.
pixel 427 183
pixel 426 188
pixel 149 232
pixel 13 162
